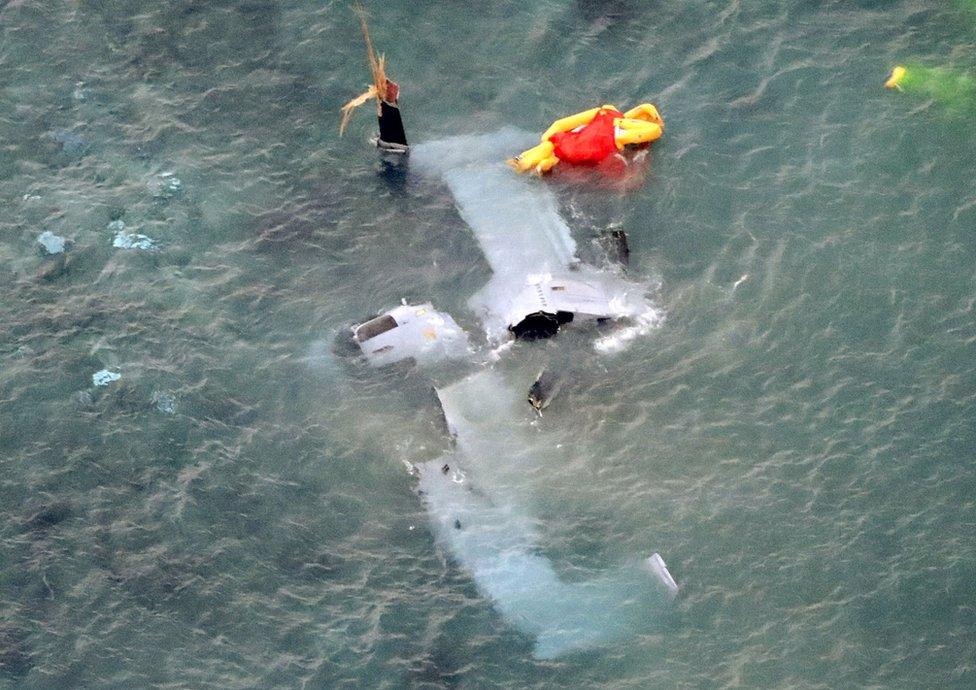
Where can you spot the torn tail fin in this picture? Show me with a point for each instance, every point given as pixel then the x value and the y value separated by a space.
pixel 392 135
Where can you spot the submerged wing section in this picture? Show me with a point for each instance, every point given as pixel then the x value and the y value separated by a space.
pixel 516 223
pixel 537 282
pixel 478 517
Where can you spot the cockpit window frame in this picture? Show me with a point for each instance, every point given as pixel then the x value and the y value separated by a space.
pixel 374 327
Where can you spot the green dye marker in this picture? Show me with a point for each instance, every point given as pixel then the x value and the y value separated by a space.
pixel 954 89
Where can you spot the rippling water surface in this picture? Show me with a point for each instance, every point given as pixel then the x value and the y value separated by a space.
pixel 797 438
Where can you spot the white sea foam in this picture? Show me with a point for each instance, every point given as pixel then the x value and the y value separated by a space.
pixel 640 325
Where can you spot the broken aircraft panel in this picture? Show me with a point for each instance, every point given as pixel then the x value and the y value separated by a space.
pixel 616 246
pixel 547 385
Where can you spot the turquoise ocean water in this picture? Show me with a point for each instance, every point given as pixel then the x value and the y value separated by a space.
pixel 797 437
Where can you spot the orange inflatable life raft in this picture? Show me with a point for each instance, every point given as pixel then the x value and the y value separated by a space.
pixel 590 137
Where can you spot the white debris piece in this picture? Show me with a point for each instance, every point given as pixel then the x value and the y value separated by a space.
pixel 105 377
pixel 53 244
pixel 125 240
pixel 657 566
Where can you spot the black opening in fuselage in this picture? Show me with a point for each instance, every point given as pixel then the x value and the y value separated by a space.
pixel 540 324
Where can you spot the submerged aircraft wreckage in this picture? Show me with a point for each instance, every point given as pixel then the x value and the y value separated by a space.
pixel 538 286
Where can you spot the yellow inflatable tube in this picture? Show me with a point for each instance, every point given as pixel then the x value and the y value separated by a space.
pixel 531 158
pixel 564 124
pixel 635 132
pixel 647 112
pixel 546 164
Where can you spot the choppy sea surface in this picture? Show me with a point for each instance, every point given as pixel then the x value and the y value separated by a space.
pixel 797 438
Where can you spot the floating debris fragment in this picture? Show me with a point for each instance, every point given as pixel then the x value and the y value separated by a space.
pixel 53 244
pixel 657 566
pixel 105 377
pixel 125 240
pixel 129 240
pixel 617 247
pixel 621 337
pixel 547 385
